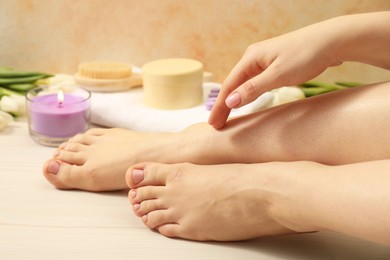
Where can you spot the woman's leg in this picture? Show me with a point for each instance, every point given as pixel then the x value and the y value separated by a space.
pixel 336 128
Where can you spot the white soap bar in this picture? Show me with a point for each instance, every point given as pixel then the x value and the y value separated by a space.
pixel 173 83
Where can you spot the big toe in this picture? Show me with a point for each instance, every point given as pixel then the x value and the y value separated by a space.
pixel 69 176
pixel 148 174
pixel 52 170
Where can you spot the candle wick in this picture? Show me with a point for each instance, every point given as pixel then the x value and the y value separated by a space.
pixel 59 103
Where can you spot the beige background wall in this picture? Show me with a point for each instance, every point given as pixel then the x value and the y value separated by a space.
pixel 55 35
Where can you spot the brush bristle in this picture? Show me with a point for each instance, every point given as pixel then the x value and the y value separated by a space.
pixel 105 70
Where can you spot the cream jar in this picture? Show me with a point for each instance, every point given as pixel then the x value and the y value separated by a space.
pixel 172 83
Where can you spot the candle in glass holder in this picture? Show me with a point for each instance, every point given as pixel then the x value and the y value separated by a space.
pixel 55 115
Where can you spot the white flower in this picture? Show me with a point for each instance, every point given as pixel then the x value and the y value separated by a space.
pixel 262 102
pixel 275 97
pixel 61 80
pixel 287 94
pixel 5 119
pixel 14 104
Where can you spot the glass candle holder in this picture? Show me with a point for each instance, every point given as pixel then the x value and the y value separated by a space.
pixel 56 114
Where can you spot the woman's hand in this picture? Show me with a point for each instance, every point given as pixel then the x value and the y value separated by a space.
pixel 301 55
pixel 286 60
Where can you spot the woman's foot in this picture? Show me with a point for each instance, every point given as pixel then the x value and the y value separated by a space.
pixel 218 203
pixel 98 159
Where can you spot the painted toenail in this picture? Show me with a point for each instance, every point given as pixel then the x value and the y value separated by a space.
pixel 53 167
pixel 138 175
pixel 56 153
pixel 133 193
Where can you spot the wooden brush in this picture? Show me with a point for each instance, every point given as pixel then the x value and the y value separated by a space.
pixel 107 76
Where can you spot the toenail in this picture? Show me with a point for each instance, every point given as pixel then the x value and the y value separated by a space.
pixel 145 218
pixel 56 153
pixel 62 146
pixel 136 206
pixel 133 193
pixel 137 175
pixel 53 167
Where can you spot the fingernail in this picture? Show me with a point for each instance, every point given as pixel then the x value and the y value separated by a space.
pixel 233 100
pixel 137 175
pixel 53 167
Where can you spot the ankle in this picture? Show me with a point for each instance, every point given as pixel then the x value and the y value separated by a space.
pixel 154 147
pixel 198 144
pixel 292 192
pixel 189 145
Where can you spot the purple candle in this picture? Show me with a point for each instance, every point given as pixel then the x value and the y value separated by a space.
pixel 55 117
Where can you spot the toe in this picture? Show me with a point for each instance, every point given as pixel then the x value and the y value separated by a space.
pixel 50 170
pixel 147 206
pixel 70 176
pixel 70 157
pixel 72 147
pixel 67 176
pixel 158 218
pixel 85 139
pixel 80 177
pixel 62 146
pixel 145 193
pixel 170 230
pixel 135 175
pixel 147 174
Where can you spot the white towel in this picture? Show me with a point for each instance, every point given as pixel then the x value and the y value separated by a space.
pixel 126 110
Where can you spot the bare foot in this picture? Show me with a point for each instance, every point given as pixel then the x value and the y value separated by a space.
pixel 217 203
pixel 98 159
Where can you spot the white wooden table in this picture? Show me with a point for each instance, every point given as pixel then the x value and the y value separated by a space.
pixel 39 222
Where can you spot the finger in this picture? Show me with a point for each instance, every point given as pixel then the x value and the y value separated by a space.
pixel 219 114
pixel 251 89
pixel 245 69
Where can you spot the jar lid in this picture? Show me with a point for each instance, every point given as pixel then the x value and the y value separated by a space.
pixel 173 71
pixel 172 83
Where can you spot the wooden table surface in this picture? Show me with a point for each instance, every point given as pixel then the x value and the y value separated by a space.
pixel 38 221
